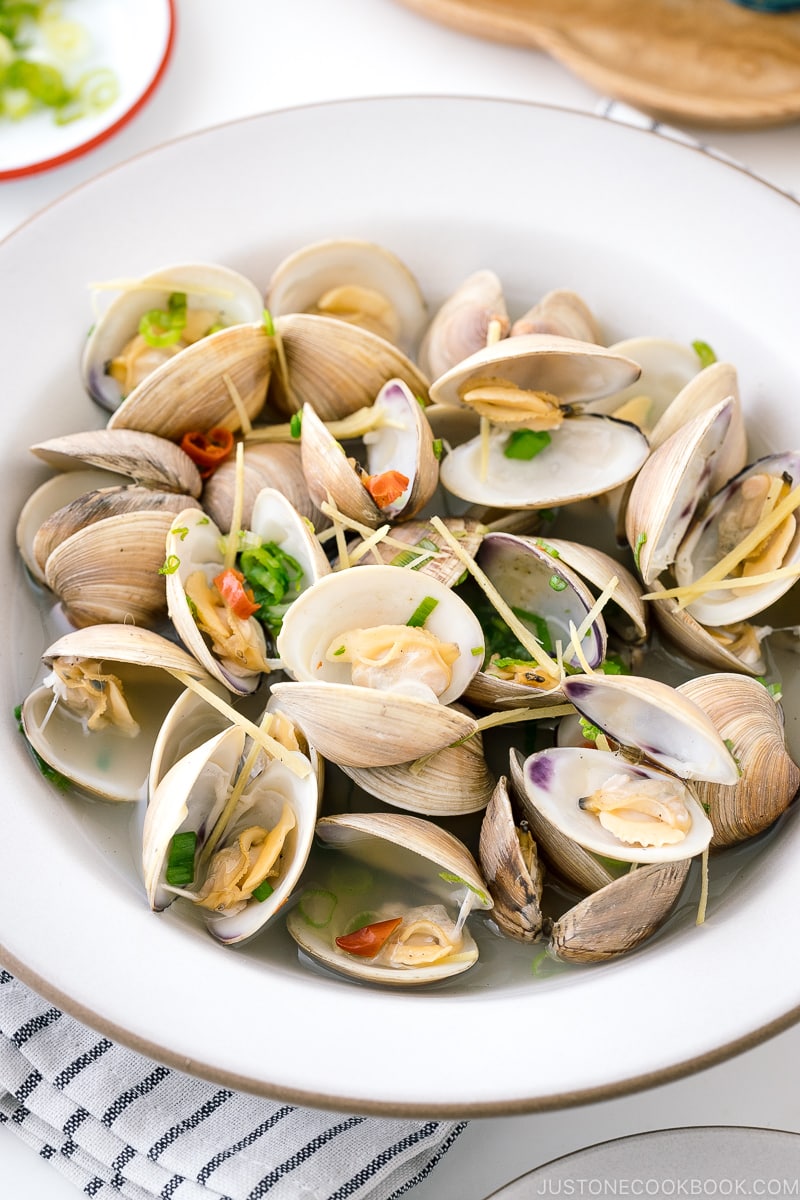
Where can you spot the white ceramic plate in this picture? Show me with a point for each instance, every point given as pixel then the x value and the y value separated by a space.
pixel 132 40
pixel 659 238
pixel 712 1160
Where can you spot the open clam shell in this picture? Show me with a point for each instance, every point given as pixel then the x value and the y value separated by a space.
pixel 352 280
pixel 409 868
pixel 267 464
pixel 192 796
pixel 667 367
pixel 669 488
pixel 656 719
pixel 570 371
pixel 558 779
pixel 586 456
pixel 215 296
pixel 627 612
pixel 401 708
pixel 722 526
pixel 102 754
pixel 402 446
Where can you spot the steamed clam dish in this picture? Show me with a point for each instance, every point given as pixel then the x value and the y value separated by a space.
pixel 437 637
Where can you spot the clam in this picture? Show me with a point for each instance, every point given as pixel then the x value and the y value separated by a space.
pixel 96 717
pixel 730 526
pixel 110 571
pixel 418 545
pixel 265 465
pixel 751 723
pixel 715 383
pixel 666 368
pixel 657 720
pixel 233 839
pixel 218 382
pixel 355 281
pixel 335 367
pixel 627 612
pixel 563 855
pixel 52 495
pixel 547 598
pixel 615 809
pixel 736 647
pixel 401 470
pixel 377 655
pixel 561 312
pixel 450 783
pixel 392 907
pixel 473 315
pixel 145 458
pixel 155 317
pixel 98 505
pixel 216 618
pixel 619 917
pixel 669 488
pixel 509 861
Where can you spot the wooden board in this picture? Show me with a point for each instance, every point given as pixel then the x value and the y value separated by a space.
pixel 708 61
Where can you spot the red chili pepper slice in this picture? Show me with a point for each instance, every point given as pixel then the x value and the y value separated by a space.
pixel 367 941
pixel 208 450
pixel 385 488
pixel 239 599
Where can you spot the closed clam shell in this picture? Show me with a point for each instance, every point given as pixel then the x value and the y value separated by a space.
pixel 715 383
pixel 419 535
pixel 145 458
pixel 325 277
pixel 511 867
pixel 48 498
pixel 751 722
pixel 265 465
pixel 212 383
pixel 335 367
pixel 561 312
pixel 461 326
pixel 454 781
pixel 619 917
pixel 670 486
pixel 104 762
pixel 97 505
pixel 110 570
pixel 228 296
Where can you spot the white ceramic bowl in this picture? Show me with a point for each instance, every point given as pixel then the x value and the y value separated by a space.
pixel 659 238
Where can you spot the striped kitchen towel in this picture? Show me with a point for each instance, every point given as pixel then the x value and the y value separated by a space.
pixel 119 1124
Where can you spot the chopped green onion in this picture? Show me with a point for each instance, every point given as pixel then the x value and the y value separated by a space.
pixel 316 907
pixel 360 921
pixel 548 549
pixel 275 578
pixel 451 877
pixel 704 353
pixel 341 650
pixel 263 891
pixel 295 424
pixel 613 665
pixel 525 444
pixel 476 650
pixel 170 566
pixel 415 556
pixel 590 732
pixel 180 531
pixel 269 324
pixel 180 860
pixel 438 449
pixel 637 550
pixel 422 612
pixel 557 583
pixel 161 327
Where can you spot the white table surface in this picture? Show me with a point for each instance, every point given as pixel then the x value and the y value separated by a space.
pixel 249 56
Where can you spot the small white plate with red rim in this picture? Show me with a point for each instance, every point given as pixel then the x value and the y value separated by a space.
pixel 132 42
